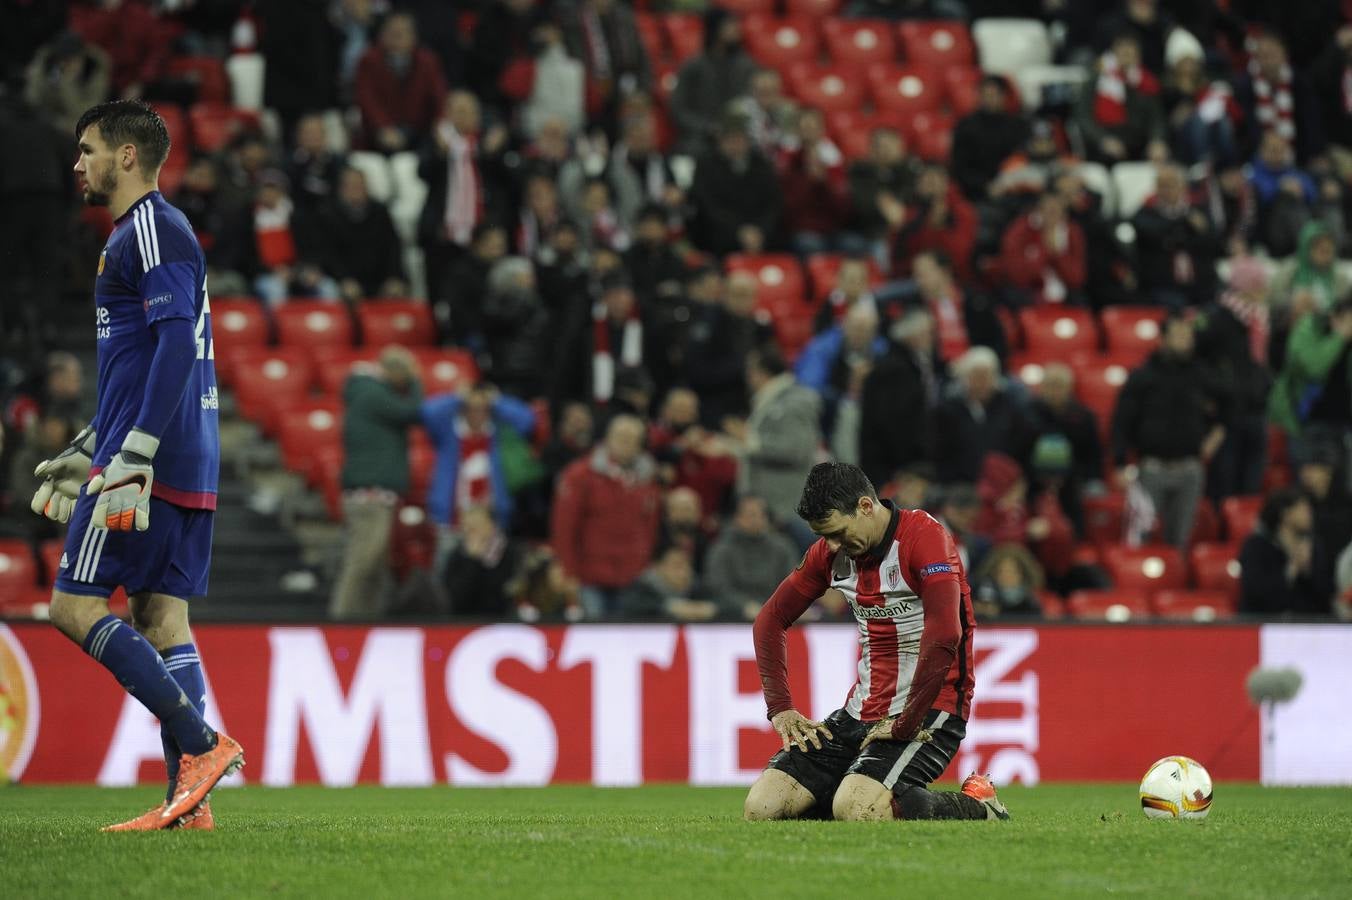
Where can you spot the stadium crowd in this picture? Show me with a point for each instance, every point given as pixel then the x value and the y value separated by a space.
pixel 1072 283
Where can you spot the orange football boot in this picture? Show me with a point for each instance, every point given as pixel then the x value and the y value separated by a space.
pixel 979 788
pixel 150 820
pixel 197 775
pixel 199 819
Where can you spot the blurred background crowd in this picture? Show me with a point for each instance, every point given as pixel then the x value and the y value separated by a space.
pixel 554 304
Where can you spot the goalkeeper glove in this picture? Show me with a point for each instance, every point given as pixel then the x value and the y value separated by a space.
pixel 62 476
pixel 124 485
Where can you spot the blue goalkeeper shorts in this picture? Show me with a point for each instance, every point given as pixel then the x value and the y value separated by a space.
pixel 171 557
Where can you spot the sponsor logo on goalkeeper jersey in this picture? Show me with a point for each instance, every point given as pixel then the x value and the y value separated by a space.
pixel 103 323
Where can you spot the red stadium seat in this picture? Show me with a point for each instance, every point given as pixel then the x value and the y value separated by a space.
pixel 1058 330
pixel 406 322
pixel 664 81
pixel 334 364
pixel 313 323
pixel 306 428
pixel 180 139
pixel 18 570
pixel 422 461
pixel 1112 605
pixel 828 88
pixel 936 46
pixel 1132 332
pixel 852 129
pixel 962 90
pixel 50 555
pixel 1240 515
pixel 1215 567
pixel 1150 567
pixel 859 42
pixel 328 473
pixel 1098 381
pixel 748 7
pixel 236 322
pixel 1206 528
pixel 932 135
pixel 206 73
pixel 267 378
pixel 1193 606
pixel 651 34
pixel 822 268
pixel 446 371
pixel 216 124
pixel 1053 607
pixel 904 90
pixel 779 275
pixel 820 9
pixel 779 43
pixel 1104 516
pixel 685 35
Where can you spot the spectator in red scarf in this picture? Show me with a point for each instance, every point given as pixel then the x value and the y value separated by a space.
pixel 603 34
pixel 1278 99
pixel 1204 116
pixel 1043 254
pixel 607 507
pixel 1121 118
pixel 399 88
pixel 465 184
pixel 599 347
pixel 939 219
pixel 289 250
pixel 1176 245
pixel 812 175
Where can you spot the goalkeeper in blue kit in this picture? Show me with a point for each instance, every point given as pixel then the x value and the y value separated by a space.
pixel 138 485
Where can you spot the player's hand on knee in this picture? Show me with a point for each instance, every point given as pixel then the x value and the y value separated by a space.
pixel 123 487
pixel 62 476
pixel 798 730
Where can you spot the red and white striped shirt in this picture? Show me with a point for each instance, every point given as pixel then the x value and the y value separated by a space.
pixel 889 588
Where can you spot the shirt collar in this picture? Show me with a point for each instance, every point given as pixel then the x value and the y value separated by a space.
pixel 139 200
pixel 879 550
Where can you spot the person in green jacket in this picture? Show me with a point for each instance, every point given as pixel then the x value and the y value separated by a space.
pixel 380 403
pixel 1315 385
pixel 1310 279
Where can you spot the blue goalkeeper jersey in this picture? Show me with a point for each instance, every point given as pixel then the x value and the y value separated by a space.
pixel 152 270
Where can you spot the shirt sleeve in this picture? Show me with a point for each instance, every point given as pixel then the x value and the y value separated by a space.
pixel 789 601
pixel 169 269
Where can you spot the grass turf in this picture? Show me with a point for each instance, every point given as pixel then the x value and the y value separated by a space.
pixel 668 842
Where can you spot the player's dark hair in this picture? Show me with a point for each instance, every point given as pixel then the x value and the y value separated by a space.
pixel 833 486
pixel 130 122
pixel 1275 506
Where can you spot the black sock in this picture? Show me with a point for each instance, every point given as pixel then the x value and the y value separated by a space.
pixel 918 803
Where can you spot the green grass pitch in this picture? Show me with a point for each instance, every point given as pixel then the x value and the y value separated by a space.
pixel 667 842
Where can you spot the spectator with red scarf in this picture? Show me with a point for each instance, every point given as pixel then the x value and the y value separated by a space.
pixel 1176 244
pixel 399 88
pixel 939 219
pixel 692 457
pixel 1278 99
pixel 1121 118
pixel 1204 116
pixel 465 430
pixel 603 34
pixel 1043 254
pixel 812 176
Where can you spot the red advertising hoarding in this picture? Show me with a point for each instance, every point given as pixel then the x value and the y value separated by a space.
pixel 618 704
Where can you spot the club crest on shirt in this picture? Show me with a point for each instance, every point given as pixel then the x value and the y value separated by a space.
pixel 103 258
pixel 893 576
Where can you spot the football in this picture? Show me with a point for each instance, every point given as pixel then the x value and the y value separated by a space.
pixel 1176 787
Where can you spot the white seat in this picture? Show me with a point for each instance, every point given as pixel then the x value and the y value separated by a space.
pixel 1007 45
pixel 1135 181
pixel 246 71
pixel 1031 80
pixel 376 168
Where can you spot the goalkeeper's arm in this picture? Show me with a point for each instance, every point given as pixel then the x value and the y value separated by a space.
pixel 125 483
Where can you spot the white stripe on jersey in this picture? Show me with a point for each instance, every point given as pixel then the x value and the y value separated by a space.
pixel 911 749
pixel 141 239
pixel 84 546
pixel 96 554
pixel 153 234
